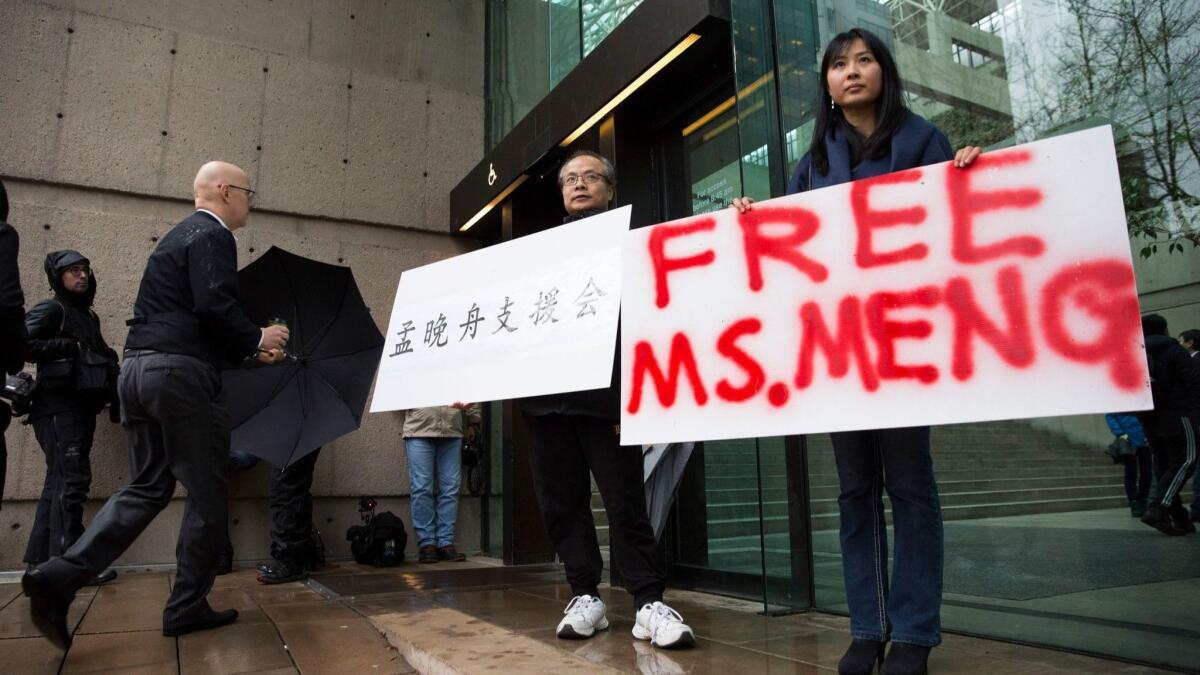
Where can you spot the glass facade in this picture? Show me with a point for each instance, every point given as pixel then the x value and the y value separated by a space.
pixel 533 44
pixel 1040 545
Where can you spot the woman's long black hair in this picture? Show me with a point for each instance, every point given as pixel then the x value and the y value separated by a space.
pixel 890 111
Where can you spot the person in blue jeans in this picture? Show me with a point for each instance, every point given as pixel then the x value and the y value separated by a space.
pixel 863 129
pixel 433 438
pixel 1137 468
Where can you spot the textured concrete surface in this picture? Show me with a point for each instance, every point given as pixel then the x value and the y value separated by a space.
pixel 351 121
pixel 332 116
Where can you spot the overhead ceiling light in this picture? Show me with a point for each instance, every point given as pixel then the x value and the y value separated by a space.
pixel 650 72
pixel 495 200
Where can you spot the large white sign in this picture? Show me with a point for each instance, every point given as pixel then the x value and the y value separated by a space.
pixel 930 296
pixel 536 315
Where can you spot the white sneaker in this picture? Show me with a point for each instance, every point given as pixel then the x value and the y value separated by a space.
pixel 662 626
pixel 584 616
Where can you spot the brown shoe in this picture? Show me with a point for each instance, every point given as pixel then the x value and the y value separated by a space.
pixel 427 554
pixel 450 554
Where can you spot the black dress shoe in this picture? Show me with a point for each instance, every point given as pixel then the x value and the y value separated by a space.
pixel 264 566
pixel 860 657
pixel 48 607
pixel 102 578
pixel 906 659
pixel 283 571
pixel 209 619
pixel 427 554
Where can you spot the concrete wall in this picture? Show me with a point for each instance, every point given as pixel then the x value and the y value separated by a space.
pixel 353 119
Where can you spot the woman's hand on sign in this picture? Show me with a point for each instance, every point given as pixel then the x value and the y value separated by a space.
pixel 742 204
pixel 966 155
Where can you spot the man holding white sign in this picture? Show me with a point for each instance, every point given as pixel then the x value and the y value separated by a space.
pixel 575 434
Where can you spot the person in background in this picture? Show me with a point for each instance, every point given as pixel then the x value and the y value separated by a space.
pixel 1137 468
pixel 1170 425
pixel 433 440
pixel 293 548
pixel 12 319
pixel 864 129
pixel 1190 339
pixel 76 379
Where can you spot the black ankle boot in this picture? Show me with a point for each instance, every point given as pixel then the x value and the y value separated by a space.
pixel 860 657
pixel 906 659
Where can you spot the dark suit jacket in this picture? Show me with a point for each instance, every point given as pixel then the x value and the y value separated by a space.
pixel 12 302
pixel 188 300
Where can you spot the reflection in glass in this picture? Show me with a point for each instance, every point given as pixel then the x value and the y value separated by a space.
pixel 1040 545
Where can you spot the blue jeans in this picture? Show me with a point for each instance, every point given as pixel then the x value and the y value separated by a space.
pixel 434 526
pixel 896 460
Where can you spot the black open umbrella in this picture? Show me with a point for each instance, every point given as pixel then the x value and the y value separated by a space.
pixel 284 411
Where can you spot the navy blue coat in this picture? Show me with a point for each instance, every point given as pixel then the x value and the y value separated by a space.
pixel 916 143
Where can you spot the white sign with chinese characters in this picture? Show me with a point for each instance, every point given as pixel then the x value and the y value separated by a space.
pixel 536 315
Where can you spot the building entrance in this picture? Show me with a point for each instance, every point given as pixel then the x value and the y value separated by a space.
pixel 739 525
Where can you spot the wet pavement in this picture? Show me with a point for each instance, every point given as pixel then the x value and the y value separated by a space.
pixel 473 617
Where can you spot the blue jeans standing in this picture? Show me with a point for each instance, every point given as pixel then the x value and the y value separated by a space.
pixel 434 526
pixel 896 460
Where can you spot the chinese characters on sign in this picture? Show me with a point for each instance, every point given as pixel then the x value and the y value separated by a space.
pixel 543 313
pixel 535 315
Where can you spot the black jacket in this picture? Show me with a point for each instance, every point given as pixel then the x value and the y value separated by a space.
pixel 188 301
pixel 12 302
pixel 1174 382
pixel 57 328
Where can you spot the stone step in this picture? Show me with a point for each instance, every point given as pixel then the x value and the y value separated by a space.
pixel 748 510
pixel 997 462
pixel 1080 473
pixel 949 487
pixel 773 524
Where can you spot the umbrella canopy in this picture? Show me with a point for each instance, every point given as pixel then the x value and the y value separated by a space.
pixel 284 411
pixel 662 470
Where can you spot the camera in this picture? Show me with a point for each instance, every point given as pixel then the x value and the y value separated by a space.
pixel 18 390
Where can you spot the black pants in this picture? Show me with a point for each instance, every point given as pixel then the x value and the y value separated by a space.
pixel 1137 475
pixel 1174 461
pixel 5 418
pixel 178 430
pixel 565 447
pixel 66 440
pixel 291 503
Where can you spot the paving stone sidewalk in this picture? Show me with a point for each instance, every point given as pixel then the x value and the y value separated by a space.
pixel 473 617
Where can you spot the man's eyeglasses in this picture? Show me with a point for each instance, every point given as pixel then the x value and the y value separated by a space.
pixel 589 178
pixel 78 269
pixel 249 193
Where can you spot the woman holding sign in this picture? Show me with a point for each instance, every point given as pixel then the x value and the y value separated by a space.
pixel 863 129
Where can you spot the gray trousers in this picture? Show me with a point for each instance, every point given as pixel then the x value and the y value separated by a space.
pixel 178 430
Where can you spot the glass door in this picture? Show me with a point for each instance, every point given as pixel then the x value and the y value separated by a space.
pixel 735 526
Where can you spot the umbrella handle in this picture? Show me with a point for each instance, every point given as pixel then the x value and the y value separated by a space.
pixel 285 355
